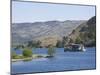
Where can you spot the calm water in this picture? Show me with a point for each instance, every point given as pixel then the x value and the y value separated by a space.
pixel 61 61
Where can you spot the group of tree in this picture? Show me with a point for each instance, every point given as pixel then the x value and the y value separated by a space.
pixel 27 52
pixel 35 44
pixel 19 46
pixel 29 44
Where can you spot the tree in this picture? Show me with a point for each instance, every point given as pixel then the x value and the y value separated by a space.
pixel 33 44
pixel 59 44
pixel 73 31
pixel 27 52
pixel 71 40
pixel 91 35
pixel 38 43
pixel 13 55
pixel 30 44
pixel 51 51
pixel 64 41
pixel 19 46
pixel 78 40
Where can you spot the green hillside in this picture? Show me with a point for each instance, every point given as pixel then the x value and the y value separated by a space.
pixel 85 33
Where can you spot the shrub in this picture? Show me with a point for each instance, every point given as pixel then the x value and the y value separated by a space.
pixel 13 55
pixel 78 40
pixel 51 51
pixel 27 52
pixel 59 44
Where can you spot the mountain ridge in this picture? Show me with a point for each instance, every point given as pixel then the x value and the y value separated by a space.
pixel 23 32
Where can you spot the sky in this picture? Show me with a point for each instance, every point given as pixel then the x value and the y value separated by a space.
pixel 36 12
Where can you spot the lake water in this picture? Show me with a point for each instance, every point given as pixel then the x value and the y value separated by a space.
pixel 62 61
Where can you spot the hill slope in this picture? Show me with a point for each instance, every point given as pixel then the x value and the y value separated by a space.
pixel 23 32
pixel 85 33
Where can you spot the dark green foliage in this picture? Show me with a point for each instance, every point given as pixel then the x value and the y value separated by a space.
pixel 84 29
pixel 71 41
pixel 51 51
pixel 91 35
pixel 92 28
pixel 73 31
pixel 84 37
pixel 78 40
pixel 88 33
pixel 38 44
pixel 19 46
pixel 13 54
pixel 65 39
pixel 59 44
pixel 32 44
pixel 27 52
pixel 92 21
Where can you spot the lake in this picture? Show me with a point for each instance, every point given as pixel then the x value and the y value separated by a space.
pixel 62 61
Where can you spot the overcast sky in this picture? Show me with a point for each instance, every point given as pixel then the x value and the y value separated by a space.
pixel 33 12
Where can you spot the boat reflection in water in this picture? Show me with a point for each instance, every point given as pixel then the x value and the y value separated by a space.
pixel 74 47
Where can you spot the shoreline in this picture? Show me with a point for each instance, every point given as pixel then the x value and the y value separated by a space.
pixel 29 58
